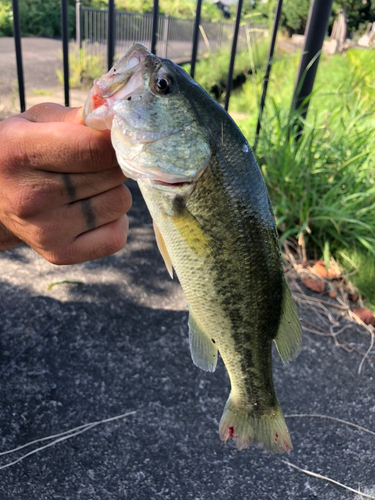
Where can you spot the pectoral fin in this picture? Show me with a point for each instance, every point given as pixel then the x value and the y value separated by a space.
pixel 203 350
pixel 289 337
pixel 163 250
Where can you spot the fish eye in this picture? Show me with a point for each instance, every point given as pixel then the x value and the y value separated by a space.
pixel 163 84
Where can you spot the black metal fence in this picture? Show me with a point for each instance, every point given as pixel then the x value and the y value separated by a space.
pixel 113 32
pixel 174 36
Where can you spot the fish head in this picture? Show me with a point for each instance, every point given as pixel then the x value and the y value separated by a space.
pixel 155 129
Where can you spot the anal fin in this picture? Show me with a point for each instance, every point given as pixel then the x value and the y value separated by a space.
pixel 289 337
pixel 163 250
pixel 203 350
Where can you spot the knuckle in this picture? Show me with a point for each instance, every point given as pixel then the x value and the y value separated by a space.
pixel 26 200
pixel 122 200
pixel 115 242
pixel 113 204
pixel 98 151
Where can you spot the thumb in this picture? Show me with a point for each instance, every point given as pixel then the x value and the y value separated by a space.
pixel 50 112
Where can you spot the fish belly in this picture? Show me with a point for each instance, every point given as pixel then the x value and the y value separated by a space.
pixel 234 296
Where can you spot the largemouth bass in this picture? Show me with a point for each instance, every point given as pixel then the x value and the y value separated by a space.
pixel 214 226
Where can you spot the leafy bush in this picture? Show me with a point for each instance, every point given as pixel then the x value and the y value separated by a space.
pixel 6 18
pixel 295 13
pixel 37 18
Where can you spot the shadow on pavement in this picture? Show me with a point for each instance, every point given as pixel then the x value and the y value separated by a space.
pixel 119 343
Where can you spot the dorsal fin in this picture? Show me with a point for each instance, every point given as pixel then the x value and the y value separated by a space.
pixel 289 337
pixel 163 250
pixel 202 348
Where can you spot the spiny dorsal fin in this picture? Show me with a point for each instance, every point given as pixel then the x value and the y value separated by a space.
pixel 163 250
pixel 289 337
pixel 203 350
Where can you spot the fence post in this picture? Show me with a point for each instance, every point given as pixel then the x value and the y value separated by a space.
pixel 155 18
pixel 268 69
pixel 17 43
pixel 165 33
pixel 78 25
pixel 233 55
pixel 195 37
pixel 315 32
pixel 65 44
pixel 111 33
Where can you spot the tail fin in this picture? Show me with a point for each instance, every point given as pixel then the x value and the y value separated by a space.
pixel 246 428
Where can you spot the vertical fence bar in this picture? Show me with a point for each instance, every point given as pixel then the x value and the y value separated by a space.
pixel 155 15
pixel 233 55
pixel 111 33
pixel 268 69
pixel 17 43
pixel 86 25
pixel 315 32
pixel 65 40
pixel 78 25
pixel 195 38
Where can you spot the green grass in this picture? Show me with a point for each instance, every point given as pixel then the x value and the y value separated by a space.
pixel 322 185
pixel 361 269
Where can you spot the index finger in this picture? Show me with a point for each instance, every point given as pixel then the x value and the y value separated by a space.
pixel 68 147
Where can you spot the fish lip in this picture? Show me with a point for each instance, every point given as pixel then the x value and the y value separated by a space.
pixel 122 72
pixel 128 70
pixel 182 187
pixel 179 184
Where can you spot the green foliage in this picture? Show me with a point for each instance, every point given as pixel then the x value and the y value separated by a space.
pixel 84 67
pixel 322 185
pixel 37 17
pixel 6 18
pixel 362 64
pixel 175 8
pixel 211 71
pixel 295 13
pixel 361 267
pixel 357 12
pixel 43 17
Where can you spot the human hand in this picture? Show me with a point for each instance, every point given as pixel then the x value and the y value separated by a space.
pixel 61 189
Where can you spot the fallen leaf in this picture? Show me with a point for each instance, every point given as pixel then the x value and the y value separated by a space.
pixel 314 285
pixel 332 294
pixel 365 315
pixel 320 269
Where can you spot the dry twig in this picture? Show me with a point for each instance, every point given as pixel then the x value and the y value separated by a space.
pixel 62 436
pixel 319 476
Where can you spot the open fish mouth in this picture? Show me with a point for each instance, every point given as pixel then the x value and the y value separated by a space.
pixel 121 82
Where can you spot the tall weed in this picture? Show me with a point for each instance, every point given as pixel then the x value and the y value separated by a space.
pixel 323 184
pixel 84 67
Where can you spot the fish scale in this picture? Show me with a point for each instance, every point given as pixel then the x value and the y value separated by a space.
pixel 214 225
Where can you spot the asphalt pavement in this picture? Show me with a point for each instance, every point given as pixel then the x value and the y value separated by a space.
pixel 118 343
